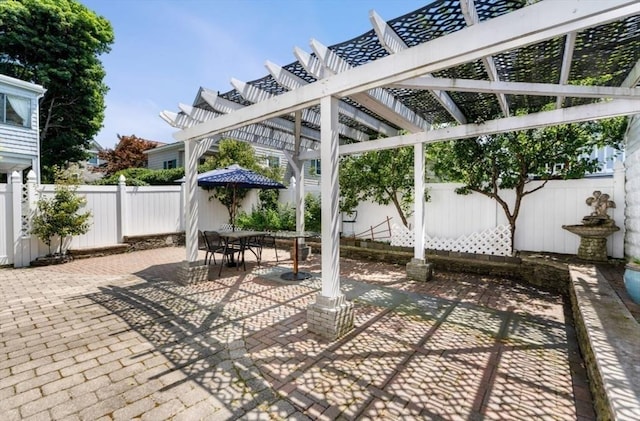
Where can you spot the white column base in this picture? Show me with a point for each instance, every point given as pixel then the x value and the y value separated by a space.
pixel 330 318
pixel 419 270
pixel 192 272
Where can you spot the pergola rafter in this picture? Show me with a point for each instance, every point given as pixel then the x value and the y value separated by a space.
pixel 290 81
pixel 393 43
pixel 471 17
pixel 377 100
pixel 567 59
pixel 254 94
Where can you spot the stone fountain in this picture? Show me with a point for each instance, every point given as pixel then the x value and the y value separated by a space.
pixel 595 228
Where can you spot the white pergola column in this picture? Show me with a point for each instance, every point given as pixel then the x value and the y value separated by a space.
pixel 191 270
pixel 331 316
pixel 299 174
pixel 418 268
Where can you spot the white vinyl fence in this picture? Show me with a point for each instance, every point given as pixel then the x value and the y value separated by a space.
pixel 539 226
pixel 120 211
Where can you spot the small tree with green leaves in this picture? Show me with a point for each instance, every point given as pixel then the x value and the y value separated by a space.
pixel 60 216
pixel 382 177
pixel 489 165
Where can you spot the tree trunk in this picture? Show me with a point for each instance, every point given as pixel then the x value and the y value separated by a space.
pixel 394 199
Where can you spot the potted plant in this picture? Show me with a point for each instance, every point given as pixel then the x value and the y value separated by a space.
pixel 632 279
pixel 60 216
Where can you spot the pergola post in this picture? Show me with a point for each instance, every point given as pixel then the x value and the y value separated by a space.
pixel 418 268
pixel 191 270
pixel 331 315
pixel 302 251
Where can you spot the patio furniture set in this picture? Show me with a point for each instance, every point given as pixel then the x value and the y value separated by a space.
pixel 233 245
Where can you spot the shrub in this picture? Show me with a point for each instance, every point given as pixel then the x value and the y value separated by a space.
pixel 60 215
pixel 281 217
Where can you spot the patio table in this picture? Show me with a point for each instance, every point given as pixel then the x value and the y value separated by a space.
pixel 242 238
pixel 294 275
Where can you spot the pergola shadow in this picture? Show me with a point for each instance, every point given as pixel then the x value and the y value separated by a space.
pixel 243 339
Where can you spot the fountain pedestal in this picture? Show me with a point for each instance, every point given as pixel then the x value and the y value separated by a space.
pixel 593 240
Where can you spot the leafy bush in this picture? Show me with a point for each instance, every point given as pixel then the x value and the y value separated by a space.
pixel 144 177
pixel 60 215
pixel 281 217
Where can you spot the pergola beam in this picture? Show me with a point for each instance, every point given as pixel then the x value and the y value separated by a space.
pixel 529 25
pixel 254 94
pixel 567 59
pixel 377 100
pixel 507 124
pixel 290 81
pixel 519 88
pixel 470 14
pixel 224 106
pixel 633 78
pixel 393 43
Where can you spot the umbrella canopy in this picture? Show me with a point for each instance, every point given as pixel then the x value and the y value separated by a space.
pixel 235 177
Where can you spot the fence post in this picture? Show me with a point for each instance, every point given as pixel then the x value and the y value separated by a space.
pixel 122 208
pixel 16 206
pixel 182 207
pixel 31 207
pixel 617 250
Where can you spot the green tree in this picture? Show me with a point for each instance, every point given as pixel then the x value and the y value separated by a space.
pixel 56 43
pixel 235 152
pixel 382 177
pixel 490 164
pixel 61 215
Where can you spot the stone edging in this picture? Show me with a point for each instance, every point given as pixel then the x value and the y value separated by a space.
pixel 609 339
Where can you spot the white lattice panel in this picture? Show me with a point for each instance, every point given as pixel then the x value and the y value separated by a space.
pixel 495 241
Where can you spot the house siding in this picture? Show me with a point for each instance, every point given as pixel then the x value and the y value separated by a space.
pixel 20 140
pixel 157 159
pixel 632 189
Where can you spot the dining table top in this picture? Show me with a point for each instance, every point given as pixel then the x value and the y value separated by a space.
pixel 294 234
pixel 241 234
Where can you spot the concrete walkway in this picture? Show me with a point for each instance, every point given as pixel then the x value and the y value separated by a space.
pixel 116 338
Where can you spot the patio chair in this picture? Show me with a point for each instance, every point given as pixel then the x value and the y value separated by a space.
pixel 204 246
pixel 217 244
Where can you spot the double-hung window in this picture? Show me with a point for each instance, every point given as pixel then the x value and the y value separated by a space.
pixel 15 110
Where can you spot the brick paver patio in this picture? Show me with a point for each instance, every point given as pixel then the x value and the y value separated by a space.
pixel 116 338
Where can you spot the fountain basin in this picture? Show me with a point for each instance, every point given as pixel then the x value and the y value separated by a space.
pixel 593 240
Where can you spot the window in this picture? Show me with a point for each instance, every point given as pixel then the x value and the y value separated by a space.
pixel 167 165
pixel 15 110
pixel 314 167
pixel 272 161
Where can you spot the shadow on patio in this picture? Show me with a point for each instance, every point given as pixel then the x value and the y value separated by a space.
pixel 243 340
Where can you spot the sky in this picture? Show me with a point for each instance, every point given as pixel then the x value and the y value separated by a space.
pixel 165 50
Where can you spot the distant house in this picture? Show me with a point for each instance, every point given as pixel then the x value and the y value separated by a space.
pixel 172 156
pixel 19 126
pixel 94 150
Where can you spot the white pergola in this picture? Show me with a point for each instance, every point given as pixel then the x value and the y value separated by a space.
pixel 464 65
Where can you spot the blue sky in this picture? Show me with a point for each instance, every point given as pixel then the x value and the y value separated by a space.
pixel 164 50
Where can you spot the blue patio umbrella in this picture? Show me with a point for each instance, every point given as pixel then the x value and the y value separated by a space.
pixel 234 177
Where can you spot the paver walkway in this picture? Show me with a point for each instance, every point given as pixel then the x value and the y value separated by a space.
pixel 116 338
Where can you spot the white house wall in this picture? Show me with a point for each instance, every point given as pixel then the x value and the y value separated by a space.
pixel 156 160
pixel 15 141
pixel 632 186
